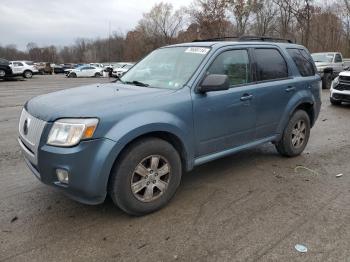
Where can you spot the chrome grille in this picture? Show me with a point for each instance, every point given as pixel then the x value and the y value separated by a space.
pixel 30 130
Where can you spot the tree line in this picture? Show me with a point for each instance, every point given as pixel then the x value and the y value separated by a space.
pixel 320 25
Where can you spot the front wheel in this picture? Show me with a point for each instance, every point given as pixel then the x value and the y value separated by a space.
pixel 2 73
pixel 72 75
pixel 296 135
pixel 145 177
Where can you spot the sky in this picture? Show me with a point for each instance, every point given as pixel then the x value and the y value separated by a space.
pixel 60 22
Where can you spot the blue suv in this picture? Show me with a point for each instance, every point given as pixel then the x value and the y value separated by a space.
pixel 180 107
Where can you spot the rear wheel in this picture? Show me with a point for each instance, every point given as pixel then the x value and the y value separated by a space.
pixel 27 74
pixel 98 75
pixel 296 135
pixel 327 81
pixel 145 177
pixel 2 73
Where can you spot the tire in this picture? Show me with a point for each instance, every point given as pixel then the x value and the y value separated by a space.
pixel 2 73
pixel 98 75
pixel 146 197
pixel 296 135
pixel 27 74
pixel 327 81
pixel 72 75
pixel 335 102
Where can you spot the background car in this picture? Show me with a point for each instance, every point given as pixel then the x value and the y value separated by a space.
pixel 329 65
pixel 57 69
pixel 86 71
pixel 5 69
pixel 24 68
pixel 120 71
pixel 340 89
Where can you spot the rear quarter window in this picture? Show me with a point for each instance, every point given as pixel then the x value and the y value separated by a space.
pixel 303 61
pixel 270 64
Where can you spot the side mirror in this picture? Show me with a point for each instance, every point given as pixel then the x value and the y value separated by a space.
pixel 214 82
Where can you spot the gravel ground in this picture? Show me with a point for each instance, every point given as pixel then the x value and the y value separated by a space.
pixel 252 206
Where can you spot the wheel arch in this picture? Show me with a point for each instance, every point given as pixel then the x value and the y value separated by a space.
pixel 309 109
pixel 303 101
pixel 170 137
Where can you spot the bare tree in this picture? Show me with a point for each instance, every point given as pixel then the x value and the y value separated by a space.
pixel 242 11
pixel 162 22
pixel 210 18
pixel 347 4
pixel 265 13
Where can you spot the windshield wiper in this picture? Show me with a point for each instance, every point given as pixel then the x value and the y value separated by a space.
pixel 136 83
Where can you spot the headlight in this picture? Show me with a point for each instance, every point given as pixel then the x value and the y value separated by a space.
pixel 69 132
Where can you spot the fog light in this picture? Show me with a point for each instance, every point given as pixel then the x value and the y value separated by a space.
pixel 62 175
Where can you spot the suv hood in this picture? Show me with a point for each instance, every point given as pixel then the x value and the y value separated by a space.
pixel 344 73
pixel 91 101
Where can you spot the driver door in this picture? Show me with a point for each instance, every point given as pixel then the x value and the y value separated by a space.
pixel 226 119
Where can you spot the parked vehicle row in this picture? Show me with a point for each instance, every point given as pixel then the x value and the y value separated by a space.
pixel 27 69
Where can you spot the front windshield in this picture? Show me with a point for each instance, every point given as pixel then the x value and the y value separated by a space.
pixel 167 68
pixel 323 57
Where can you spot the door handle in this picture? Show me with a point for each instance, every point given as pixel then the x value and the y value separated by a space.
pixel 290 88
pixel 246 97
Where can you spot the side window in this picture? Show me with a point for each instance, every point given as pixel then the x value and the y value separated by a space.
pixel 235 64
pixel 270 64
pixel 302 61
pixel 17 64
pixel 338 58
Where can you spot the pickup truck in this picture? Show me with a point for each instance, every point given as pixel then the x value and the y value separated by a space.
pixel 180 107
pixel 329 65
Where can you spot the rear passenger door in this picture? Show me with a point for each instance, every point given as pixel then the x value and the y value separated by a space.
pixel 275 88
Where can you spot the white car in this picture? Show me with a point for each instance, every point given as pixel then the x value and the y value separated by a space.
pixel 120 71
pixel 86 71
pixel 23 68
pixel 96 65
pixel 340 89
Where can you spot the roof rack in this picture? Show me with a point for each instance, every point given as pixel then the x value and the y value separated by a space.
pixel 247 38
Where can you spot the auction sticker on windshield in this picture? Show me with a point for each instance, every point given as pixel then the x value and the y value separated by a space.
pixel 197 50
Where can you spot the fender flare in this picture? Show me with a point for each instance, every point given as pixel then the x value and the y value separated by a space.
pixel 138 125
pixel 300 98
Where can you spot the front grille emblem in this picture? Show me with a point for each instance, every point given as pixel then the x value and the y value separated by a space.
pixel 26 126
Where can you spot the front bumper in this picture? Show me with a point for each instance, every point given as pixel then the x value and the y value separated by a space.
pixel 89 165
pixel 340 95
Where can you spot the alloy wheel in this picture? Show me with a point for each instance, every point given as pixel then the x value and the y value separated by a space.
pixel 151 178
pixel 299 134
